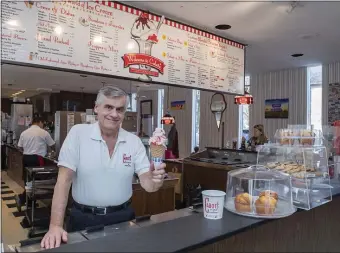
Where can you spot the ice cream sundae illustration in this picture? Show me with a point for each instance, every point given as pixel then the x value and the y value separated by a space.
pixel 29 4
pixel 83 21
pixel 144 31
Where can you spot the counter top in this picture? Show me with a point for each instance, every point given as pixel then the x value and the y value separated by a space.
pixel 16 148
pixel 182 234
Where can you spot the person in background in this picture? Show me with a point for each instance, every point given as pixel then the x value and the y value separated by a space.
pixel 99 160
pixel 173 142
pixel 259 137
pixel 196 149
pixel 34 143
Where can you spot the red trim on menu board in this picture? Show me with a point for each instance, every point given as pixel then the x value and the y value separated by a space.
pixel 137 12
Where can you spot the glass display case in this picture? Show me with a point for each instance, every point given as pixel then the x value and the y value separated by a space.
pixel 308 168
pixel 257 191
pixel 297 136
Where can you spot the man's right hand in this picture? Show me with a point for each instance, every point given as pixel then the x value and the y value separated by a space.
pixel 54 237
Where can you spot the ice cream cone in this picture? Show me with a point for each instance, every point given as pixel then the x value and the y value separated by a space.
pixel 157 150
pixel 157 146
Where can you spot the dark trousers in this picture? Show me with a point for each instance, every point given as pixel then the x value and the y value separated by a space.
pixel 80 220
pixel 29 161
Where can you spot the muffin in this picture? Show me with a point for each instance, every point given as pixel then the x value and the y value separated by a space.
pixel 265 205
pixel 305 140
pixel 269 193
pixel 243 202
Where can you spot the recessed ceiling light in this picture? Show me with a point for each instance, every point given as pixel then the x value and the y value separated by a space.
pixel 223 27
pixel 296 55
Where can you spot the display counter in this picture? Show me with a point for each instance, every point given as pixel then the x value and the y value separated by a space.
pixel 316 230
pixel 144 203
pixel 15 166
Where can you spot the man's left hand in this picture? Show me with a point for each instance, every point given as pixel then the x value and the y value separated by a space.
pixel 157 175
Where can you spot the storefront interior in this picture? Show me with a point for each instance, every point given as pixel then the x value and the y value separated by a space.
pixel 292 53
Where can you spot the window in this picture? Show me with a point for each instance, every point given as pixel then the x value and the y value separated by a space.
pixel 195 138
pixel 314 96
pixel 132 107
pixel 244 114
pixel 160 107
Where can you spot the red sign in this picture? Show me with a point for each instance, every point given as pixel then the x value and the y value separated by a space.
pixel 143 59
pixel 210 207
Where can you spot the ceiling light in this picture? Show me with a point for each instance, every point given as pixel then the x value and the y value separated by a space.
pixel 296 55
pixel 223 27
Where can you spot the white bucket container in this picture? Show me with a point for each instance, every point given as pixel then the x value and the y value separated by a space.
pixel 213 204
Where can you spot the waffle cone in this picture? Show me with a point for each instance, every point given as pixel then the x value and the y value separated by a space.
pixel 157 150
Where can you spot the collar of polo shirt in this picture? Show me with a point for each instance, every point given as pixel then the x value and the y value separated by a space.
pixel 96 134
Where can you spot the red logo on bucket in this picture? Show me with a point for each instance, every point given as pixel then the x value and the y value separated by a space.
pixel 210 207
pixel 143 59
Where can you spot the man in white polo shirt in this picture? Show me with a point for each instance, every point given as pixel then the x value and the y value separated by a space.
pixel 34 143
pixel 100 160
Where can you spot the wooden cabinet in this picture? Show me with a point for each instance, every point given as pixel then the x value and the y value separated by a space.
pixel 162 201
pixel 15 167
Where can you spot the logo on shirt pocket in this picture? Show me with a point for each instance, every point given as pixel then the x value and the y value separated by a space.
pixel 127 160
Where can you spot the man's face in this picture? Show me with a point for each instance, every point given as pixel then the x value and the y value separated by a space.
pixel 111 112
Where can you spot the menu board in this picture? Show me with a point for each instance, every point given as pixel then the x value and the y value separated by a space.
pixel 113 39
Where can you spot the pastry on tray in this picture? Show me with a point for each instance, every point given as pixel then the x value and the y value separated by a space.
pixel 269 193
pixel 243 202
pixel 306 138
pixel 266 204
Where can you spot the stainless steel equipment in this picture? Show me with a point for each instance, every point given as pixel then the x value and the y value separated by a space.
pixel 21 118
pixel 63 122
pixel 225 157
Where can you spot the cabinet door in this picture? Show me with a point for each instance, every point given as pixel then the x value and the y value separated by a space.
pixel 139 202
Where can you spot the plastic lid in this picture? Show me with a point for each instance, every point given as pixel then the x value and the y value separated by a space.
pixel 258 172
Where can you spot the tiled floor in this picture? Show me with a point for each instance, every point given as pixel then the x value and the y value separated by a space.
pixel 11 230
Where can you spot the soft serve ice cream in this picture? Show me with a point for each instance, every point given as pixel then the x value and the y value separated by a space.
pixel 158 143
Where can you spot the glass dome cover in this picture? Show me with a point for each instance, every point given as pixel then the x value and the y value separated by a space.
pixel 259 192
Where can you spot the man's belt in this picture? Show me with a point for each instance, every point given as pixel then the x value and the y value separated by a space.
pixel 101 210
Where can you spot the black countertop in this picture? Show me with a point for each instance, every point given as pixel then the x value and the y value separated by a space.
pixel 175 235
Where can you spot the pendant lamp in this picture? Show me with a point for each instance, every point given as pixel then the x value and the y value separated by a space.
pixel 246 99
pixel 167 119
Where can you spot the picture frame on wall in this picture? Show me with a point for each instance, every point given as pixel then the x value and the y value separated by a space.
pixel 276 108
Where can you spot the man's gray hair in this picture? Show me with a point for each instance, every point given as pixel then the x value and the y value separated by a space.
pixel 110 92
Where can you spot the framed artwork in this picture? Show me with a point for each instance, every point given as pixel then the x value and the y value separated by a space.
pixel 276 108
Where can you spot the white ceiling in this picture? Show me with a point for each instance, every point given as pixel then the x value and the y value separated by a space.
pixel 272 29
pixel 32 79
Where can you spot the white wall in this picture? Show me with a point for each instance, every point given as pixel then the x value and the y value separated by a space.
pixel 292 84
pixel 330 74
pixel 183 117
pixel 209 134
